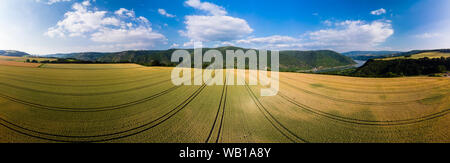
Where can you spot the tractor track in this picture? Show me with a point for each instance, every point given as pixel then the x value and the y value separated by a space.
pixel 223 115
pixel 370 92
pixel 82 94
pixel 88 85
pixel 271 118
pixel 116 135
pixel 125 68
pixel 93 109
pixel 222 105
pixel 357 102
pixel 365 122
pixel 365 85
pixel 90 109
pixel 71 80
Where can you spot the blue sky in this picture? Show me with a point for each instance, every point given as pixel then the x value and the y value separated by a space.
pixel 61 26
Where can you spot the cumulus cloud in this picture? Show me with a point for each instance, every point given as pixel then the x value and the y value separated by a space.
pixel 189 44
pixel 215 26
pixel 101 28
pixel 327 22
pixel 138 34
pixel 210 8
pixel 50 2
pixel 125 12
pixel 275 42
pixel 348 35
pixel 378 12
pixel 427 35
pixel 269 40
pixel 341 36
pixel 164 13
pixel 81 21
pixel 226 43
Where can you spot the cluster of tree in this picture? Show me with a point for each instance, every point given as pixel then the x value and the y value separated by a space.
pixel 399 67
pixel 32 61
pixel 71 60
pixel 157 63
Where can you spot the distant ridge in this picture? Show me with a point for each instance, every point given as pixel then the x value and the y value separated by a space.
pixel 290 60
pixel 366 55
pixel 374 53
pixel 13 53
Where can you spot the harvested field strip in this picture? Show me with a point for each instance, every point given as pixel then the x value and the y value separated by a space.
pixel 91 109
pixel 356 102
pixel 374 84
pixel 104 137
pixel 275 123
pixel 69 68
pixel 365 122
pixel 82 94
pixel 87 85
pixel 219 116
pixel 19 64
pixel 94 109
pixel 71 80
pixel 423 85
pixel 371 92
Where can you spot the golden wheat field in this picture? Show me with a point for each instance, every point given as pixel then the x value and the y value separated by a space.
pixel 132 103
pixel 421 55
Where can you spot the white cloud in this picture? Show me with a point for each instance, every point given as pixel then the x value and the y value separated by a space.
pixel 327 23
pixel 109 30
pixel 81 21
pixel 211 8
pixel 125 12
pixel 350 35
pixel 174 45
pixel 86 3
pixel 164 12
pixel 50 2
pixel 216 28
pixel 378 12
pixel 124 35
pixel 428 35
pixel 189 44
pixel 275 42
pixel 213 27
pixel 340 36
pixel 226 43
pixel 275 39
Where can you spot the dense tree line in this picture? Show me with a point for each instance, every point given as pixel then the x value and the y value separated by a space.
pixel 72 60
pixel 403 67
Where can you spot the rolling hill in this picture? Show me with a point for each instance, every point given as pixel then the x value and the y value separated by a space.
pixel 13 53
pixel 289 60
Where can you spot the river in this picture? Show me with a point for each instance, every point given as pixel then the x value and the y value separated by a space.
pixel 359 63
